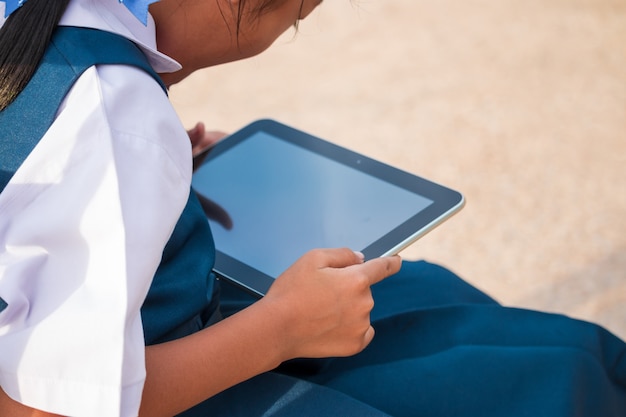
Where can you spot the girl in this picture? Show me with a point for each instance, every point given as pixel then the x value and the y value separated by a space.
pixel 107 301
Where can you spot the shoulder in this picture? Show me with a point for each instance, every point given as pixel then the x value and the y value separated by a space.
pixel 115 119
pixel 132 107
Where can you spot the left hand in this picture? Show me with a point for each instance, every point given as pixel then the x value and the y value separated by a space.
pixel 201 139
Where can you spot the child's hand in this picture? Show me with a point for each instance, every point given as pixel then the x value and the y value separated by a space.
pixel 325 301
pixel 201 139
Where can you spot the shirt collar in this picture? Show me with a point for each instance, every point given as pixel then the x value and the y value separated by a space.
pixel 112 16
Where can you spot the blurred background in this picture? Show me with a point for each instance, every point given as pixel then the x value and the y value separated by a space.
pixel 518 104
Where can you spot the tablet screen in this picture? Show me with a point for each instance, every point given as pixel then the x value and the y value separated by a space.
pixel 271 193
pixel 283 200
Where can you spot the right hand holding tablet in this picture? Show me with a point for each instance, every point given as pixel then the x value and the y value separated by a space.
pixel 325 301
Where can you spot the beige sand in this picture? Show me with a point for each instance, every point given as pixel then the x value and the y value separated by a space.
pixel 521 105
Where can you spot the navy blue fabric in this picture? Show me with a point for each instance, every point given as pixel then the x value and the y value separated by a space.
pixel 179 299
pixel 277 395
pixel 182 292
pixel 443 348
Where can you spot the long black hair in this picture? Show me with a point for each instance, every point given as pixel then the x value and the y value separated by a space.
pixel 24 38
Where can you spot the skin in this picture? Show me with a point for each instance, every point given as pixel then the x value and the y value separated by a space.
pixel 319 307
pixel 205 33
pixel 202 139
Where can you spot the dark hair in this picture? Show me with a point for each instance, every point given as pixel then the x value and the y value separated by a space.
pixel 23 41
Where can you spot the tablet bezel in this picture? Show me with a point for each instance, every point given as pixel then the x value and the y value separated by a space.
pixel 445 201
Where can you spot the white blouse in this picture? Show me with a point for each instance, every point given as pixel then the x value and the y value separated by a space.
pixel 83 224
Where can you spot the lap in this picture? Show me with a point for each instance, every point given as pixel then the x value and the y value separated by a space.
pixel 484 360
pixel 276 395
pixel 444 348
pixel 422 285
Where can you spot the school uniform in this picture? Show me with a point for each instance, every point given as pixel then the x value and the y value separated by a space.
pixel 104 249
pixel 85 220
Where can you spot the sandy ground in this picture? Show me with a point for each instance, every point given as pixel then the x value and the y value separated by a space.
pixel 520 105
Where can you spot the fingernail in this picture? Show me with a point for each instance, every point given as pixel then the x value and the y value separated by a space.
pixel 360 255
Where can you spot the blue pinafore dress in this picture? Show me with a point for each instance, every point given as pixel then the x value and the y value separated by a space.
pixel 442 348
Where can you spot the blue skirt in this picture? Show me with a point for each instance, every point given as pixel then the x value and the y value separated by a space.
pixel 443 348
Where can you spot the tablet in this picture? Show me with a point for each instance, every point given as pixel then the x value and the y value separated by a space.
pixel 272 193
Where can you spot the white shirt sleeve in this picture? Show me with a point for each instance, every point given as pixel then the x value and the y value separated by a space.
pixel 83 224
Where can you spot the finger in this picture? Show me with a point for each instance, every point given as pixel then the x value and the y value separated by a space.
pixel 213 136
pixel 378 269
pixel 336 258
pixel 196 133
pixel 207 141
pixel 199 130
pixel 368 337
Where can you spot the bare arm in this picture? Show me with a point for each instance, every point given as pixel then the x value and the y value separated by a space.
pixel 320 307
